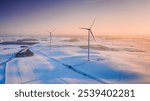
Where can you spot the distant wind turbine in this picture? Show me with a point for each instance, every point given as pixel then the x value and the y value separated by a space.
pixel 50 37
pixel 89 33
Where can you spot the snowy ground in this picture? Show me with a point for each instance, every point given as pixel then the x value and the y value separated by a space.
pixel 112 60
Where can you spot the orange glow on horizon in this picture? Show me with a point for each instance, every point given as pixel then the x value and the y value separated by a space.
pixel 111 19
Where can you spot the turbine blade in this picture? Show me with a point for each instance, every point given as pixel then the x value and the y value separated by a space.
pixel 92 35
pixel 93 23
pixel 85 28
pixel 47 31
pixel 53 30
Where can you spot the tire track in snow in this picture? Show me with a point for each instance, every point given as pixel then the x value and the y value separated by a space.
pixel 36 70
pixel 13 57
pixel 72 68
pixel 19 74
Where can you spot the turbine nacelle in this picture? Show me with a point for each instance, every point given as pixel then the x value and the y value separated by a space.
pixel 50 31
pixel 89 29
pixel 86 28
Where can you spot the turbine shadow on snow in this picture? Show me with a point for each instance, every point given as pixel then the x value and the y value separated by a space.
pixel 105 73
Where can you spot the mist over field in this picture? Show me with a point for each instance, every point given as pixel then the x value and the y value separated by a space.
pixel 74 41
pixel 112 60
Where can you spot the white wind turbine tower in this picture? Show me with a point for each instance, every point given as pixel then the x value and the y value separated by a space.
pixel 50 37
pixel 89 33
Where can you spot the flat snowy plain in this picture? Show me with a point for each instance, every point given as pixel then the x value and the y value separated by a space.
pixel 113 60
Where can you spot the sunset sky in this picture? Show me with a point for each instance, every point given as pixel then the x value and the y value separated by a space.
pixel 113 17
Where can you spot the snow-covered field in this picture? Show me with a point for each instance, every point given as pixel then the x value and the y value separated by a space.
pixel 112 60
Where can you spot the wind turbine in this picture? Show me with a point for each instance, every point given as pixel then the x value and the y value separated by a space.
pixel 89 33
pixel 50 37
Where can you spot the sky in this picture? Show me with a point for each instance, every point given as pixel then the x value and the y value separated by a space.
pixel 113 17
